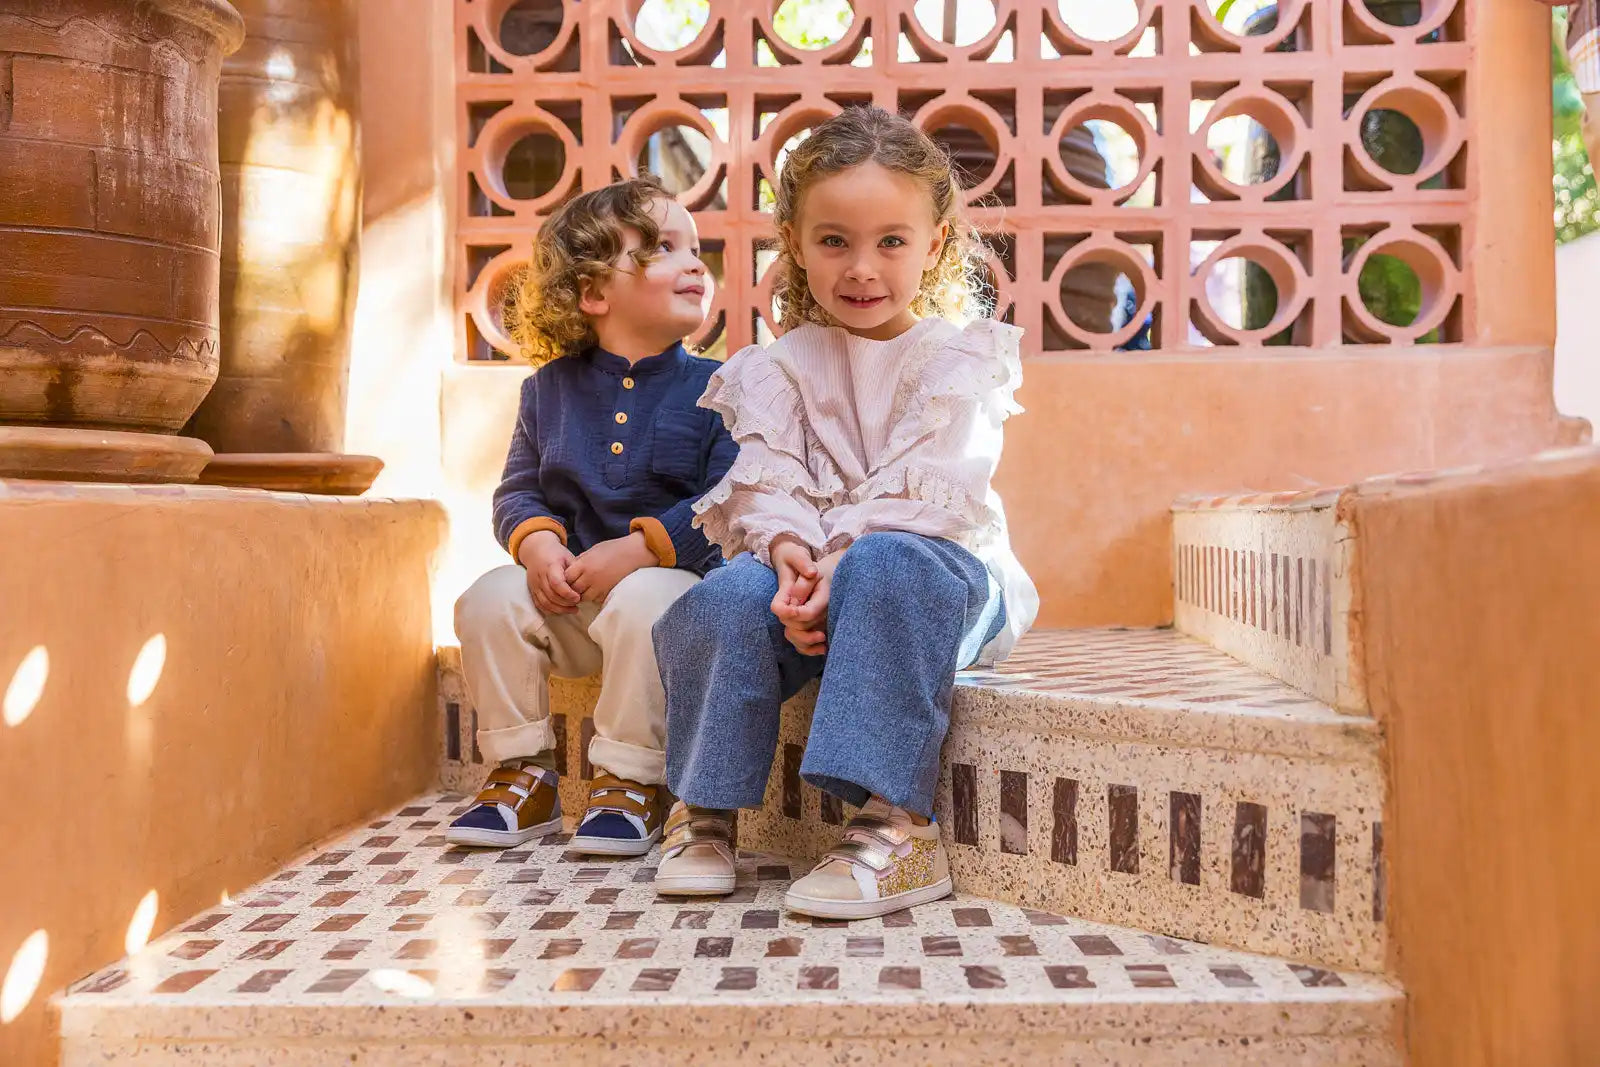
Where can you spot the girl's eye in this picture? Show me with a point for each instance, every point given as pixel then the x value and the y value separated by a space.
pixel 833 241
pixel 893 242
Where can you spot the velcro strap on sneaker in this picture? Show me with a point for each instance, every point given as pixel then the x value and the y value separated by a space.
pixel 696 829
pixel 871 854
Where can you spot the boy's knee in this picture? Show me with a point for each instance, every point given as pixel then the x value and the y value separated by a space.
pixel 490 600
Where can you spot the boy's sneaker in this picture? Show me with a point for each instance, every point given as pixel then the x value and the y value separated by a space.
pixel 624 818
pixel 697 855
pixel 519 801
pixel 884 863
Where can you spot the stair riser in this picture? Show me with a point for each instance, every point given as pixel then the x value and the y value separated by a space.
pixel 1319 884
pixel 1272 586
pixel 957 1049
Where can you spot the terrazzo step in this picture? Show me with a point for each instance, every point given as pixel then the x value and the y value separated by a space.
pixel 1270 579
pixel 1143 777
pixel 390 948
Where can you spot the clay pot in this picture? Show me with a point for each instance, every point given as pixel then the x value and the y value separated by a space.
pixel 109 215
pixel 291 201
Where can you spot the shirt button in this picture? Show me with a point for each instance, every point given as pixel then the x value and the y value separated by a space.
pixel 627 383
pixel 616 448
pixel 622 417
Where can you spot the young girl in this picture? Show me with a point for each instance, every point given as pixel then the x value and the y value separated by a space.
pixel 871 549
pixel 608 456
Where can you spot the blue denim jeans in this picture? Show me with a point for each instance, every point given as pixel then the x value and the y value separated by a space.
pixel 905 613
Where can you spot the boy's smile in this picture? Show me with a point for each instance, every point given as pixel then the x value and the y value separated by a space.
pixel 640 310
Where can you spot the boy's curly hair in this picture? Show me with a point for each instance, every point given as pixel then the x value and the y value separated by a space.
pixel 579 245
pixel 860 135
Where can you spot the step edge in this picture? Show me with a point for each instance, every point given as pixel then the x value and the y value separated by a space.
pixel 1337 738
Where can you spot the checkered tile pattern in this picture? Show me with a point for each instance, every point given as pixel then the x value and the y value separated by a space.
pixel 392 914
pixel 1156 666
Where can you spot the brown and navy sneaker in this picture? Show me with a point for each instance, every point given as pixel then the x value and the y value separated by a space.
pixel 519 801
pixel 624 817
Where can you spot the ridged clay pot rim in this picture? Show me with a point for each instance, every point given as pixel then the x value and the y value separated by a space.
pixel 220 17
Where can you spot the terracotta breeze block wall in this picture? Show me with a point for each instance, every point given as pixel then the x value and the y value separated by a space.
pixel 1157 362
pixel 575 85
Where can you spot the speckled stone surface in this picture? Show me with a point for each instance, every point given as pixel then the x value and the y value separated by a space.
pixel 390 948
pixel 1134 776
pixel 1272 583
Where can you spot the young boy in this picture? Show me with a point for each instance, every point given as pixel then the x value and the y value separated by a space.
pixel 609 453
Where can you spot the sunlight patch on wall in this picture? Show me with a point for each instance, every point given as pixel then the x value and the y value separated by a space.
pixel 27 686
pixel 23 976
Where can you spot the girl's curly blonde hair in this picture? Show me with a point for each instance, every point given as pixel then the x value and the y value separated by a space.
pixel 578 246
pixel 860 135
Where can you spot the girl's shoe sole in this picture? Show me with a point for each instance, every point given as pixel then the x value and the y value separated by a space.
pixel 612 846
pixel 867 909
pixel 473 837
pixel 695 885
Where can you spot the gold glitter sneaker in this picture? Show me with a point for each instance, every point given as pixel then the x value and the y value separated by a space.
pixel 884 863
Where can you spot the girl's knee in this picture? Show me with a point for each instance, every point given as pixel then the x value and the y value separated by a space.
pixel 735 599
pixel 887 558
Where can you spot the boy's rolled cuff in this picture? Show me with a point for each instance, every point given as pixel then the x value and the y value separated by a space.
pixel 656 539
pixel 528 527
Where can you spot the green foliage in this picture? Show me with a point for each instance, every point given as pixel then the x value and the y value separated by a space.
pixel 1577 206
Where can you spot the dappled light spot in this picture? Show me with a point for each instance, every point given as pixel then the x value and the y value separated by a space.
pixel 27 686
pixel 147 668
pixel 144 921
pixel 401 983
pixel 22 977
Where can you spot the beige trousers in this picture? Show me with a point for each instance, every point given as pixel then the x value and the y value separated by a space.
pixel 509 650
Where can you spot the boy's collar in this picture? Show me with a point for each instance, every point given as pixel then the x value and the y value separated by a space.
pixel 612 363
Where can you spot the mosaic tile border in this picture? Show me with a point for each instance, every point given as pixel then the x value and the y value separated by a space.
pixel 390 938
pixel 1268 853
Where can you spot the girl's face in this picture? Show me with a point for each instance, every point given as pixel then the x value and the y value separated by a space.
pixel 647 308
pixel 864 237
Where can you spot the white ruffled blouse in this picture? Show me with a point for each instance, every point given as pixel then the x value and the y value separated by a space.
pixel 840 436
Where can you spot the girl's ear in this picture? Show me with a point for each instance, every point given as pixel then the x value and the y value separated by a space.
pixel 787 229
pixel 936 248
pixel 592 297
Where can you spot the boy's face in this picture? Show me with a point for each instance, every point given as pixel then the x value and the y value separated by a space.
pixel 649 308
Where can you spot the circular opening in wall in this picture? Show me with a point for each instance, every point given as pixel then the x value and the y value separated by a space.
pixel 530 26
pixel 971 154
pixel 1393 141
pixel 534 165
pixel 1101 154
pixel 1099 297
pixel 964 23
pixel 668 25
pixel 1245 18
pixel 1243 150
pixel 1396 12
pixel 1241 293
pixel 678 155
pixel 812 24
pixel 1390 290
pixel 1100 20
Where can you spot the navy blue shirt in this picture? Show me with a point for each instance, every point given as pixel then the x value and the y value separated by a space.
pixel 599 444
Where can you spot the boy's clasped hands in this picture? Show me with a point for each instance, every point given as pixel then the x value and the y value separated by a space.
pixel 560 581
pixel 804 586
